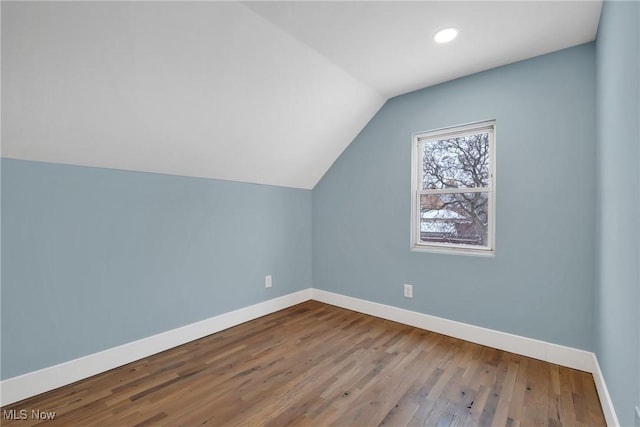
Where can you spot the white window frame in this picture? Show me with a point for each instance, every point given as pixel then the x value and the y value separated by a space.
pixel 416 182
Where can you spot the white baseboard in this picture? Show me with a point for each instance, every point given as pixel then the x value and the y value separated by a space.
pixel 603 393
pixel 554 353
pixel 33 383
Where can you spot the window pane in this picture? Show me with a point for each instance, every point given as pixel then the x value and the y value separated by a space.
pixel 458 218
pixel 461 162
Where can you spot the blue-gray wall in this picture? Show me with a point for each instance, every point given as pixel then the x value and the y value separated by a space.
pixel 618 284
pixel 540 284
pixel 94 258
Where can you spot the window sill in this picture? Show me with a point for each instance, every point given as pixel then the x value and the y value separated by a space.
pixel 455 251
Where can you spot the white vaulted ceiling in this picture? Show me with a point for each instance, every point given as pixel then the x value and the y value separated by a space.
pixel 265 92
pixel 389 46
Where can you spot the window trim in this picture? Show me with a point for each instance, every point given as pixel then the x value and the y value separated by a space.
pixel 416 158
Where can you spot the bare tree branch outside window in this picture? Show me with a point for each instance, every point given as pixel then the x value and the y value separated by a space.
pixel 454 193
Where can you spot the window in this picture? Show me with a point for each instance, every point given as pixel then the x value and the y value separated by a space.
pixel 453 176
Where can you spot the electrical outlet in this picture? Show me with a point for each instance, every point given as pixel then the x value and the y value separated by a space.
pixel 636 418
pixel 267 281
pixel 408 291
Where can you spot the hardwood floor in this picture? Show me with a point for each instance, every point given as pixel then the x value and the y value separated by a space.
pixel 316 364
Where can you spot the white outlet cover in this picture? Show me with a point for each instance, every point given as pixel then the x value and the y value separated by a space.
pixel 267 281
pixel 408 291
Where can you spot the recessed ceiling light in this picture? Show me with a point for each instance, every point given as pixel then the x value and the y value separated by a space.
pixel 445 35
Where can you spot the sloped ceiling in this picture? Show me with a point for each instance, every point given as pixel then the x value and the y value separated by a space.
pixel 264 92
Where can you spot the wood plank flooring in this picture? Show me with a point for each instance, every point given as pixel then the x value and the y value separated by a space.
pixel 316 364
